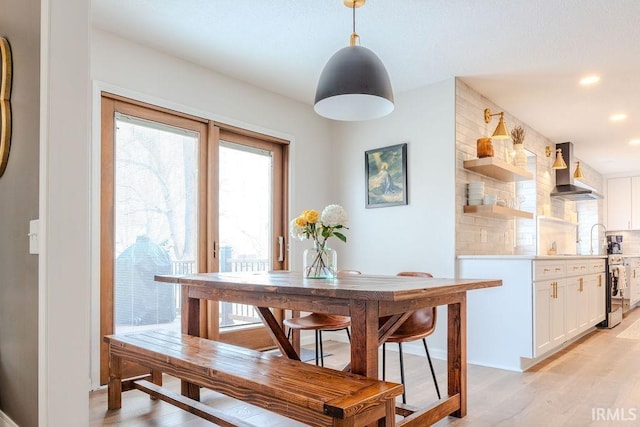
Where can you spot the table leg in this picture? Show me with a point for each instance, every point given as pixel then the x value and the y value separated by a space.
pixel 276 332
pixel 364 337
pixel 191 326
pixel 457 353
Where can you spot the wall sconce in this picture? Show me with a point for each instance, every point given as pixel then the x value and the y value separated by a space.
pixel 559 163
pixel 578 173
pixel 501 131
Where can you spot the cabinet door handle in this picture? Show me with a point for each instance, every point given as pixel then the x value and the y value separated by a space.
pixel 599 280
pixel 546 270
pixel 553 293
pixel 581 284
pixel 558 269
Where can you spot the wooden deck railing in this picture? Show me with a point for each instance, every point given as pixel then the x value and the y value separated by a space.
pixel 230 313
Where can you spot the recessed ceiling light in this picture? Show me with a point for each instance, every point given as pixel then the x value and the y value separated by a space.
pixel 634 142
pixel 589 80
pixel 617 117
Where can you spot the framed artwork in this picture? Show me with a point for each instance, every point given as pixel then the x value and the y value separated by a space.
pixel 6 71
pixel 386 176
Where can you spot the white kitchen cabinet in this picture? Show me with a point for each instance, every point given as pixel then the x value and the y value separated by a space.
pixel 577 299
pixel 623 203
pixel 550 289
pixel 569 298
pixel 633 280
pixel 596 291
pixel 572 305
pixel 619 203
pixel 557 318
pixel 550 317
pixel 543 294
pixel 517 325
pixel 582 302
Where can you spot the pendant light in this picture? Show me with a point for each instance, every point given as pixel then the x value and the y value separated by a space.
pixel 354 84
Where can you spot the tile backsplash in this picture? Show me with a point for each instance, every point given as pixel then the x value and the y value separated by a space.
pixel 479 235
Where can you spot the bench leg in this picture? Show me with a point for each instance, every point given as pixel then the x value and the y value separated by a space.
pixel 390 414
pixel 156 378
pixel 190 390
pixel 114 386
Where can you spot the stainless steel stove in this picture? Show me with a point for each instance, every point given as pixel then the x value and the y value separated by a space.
pixel 616 288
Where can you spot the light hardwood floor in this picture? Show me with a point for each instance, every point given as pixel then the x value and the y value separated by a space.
pixel 593 382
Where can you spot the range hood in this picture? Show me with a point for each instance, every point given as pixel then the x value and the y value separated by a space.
pixel 565 188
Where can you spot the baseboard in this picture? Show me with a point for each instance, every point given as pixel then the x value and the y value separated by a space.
pixel 5 421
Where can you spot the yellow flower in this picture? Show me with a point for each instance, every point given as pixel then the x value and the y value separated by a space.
pixel 301 221
pixel 311 216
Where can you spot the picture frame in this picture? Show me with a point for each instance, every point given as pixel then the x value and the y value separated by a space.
pixel 6 75
pixel 386 176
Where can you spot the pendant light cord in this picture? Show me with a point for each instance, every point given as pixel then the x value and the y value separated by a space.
pixel 354 36
pixel 353 7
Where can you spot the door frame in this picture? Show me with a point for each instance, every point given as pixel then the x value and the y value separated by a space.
pixel 252 336
pixel 109 106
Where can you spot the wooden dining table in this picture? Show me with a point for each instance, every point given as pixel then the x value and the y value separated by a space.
pixel 365 298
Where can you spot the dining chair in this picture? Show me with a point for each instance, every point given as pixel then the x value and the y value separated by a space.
pixel 319 322
pixel 419 325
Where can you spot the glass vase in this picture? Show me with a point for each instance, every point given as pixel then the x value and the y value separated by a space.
pixel 320 262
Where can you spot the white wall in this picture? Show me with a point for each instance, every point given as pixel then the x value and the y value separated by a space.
pixel 64 273
pixel 420 235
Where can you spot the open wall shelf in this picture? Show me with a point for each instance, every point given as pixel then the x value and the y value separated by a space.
pixel 496 211
pixel 497 169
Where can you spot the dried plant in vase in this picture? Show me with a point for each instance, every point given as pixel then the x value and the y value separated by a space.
pixel 520 157
pixel 517 134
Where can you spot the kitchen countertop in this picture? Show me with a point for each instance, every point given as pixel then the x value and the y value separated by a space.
pixel 533 257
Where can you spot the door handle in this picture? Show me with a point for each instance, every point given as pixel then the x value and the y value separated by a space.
pixel 599 280
pixel 280 248
pixel 581 284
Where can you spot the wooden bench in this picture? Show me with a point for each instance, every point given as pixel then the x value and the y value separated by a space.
pixel 311 394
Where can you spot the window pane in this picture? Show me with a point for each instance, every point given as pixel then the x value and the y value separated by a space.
pixel 245 219
pixel 156 171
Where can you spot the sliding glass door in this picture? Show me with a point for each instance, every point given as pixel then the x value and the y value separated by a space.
pixel 182 195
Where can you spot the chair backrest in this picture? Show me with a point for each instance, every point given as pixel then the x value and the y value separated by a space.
pixel 423 321
pixel 348 272
pixel 414 274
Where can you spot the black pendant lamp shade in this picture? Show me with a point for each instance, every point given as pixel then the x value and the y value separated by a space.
pixel 354 84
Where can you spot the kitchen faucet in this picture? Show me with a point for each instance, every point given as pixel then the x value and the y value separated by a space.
pixel 591 237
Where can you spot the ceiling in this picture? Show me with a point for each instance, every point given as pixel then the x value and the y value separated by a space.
pixel 526 56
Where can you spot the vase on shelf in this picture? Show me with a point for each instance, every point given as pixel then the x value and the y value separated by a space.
pixel 320 262
pixel 519 156
pixel 484 148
